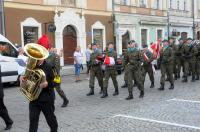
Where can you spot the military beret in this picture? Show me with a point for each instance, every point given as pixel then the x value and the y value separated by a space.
pixel 144 46
pixel 189 39
pixel 165 40
pixel 131 41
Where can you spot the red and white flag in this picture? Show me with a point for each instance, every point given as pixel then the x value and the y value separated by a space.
pixel 109 61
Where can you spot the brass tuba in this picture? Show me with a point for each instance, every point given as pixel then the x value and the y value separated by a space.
pixel 33 76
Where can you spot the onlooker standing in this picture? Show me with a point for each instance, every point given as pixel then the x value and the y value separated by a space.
pixel 78 62
pixel 87 54
pixel 22 59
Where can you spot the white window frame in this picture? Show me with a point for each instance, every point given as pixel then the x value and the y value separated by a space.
pixel 99 25
pixel 163 33
pixel 30 22
pixel 148 30
pixel 145 1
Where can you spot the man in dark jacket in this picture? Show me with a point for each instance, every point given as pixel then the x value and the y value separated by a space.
pixel 3 109
pixel 45 101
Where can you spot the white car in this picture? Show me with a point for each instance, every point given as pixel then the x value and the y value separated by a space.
pixel 8 63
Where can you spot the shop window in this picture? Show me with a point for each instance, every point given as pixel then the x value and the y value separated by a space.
pixel 144 36
pixel 143 3
pixel 159 34
pixel 98 36
pixel 7 49
pixel 30 34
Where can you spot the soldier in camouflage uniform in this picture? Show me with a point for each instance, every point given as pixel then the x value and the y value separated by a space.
pixel 110 71
pixel 189 53
pixel 95 70
pixel 133 62
pixel 198 60
pixel 166 58
pixel 54 60
pixel 147 66
pixel 179 59
pixel 125 70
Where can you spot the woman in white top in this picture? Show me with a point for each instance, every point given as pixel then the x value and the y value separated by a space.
pixel 78 60
pixel 22 59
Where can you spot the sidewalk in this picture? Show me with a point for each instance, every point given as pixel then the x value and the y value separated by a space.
pixel 69 70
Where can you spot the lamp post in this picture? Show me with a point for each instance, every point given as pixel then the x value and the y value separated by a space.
pixel 2 28
pixel 168 24
pixel 193 17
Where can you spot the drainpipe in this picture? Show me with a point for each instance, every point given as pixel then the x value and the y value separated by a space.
pixel 113 18
pixel 2 18
pixel 193 15
pixel 168 24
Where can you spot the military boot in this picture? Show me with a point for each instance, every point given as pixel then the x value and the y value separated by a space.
pixel 105 94
pixel 125 85
pixel 193 78
pixel 116 92
pixel 91 92
pixel 101 90
pixel 152 85
pixel 141 94
pixel 161 87
pixel 185 79
pixel 171 87
pixel 130 96
pixel 65 102
pixel 197 77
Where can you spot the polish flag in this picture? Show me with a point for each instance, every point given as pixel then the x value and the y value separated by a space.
pixel 109 61
pixel 155 49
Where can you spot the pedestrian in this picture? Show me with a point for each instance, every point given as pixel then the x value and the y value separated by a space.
pixel 147 56
pixel 87 54
pixel 110 70
pixel 95 69
pixel 133 62
pixel 3 110
pixel 54 60
pixel 22 60
pixel 189 53
pixel 78 56
pixel 166 58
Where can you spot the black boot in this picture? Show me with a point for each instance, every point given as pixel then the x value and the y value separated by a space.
pixel 175 77
pixel 105 94
pixel 141 94
pixel 197 77
pixel 161 87
pixel 193 78
pixel 171 87
pixel 125 85
pixel 101 91
pixel 65 102
pixel 7 119
pixel 91 92
pixel 152 85
pixel 8 126
pixel 130 96
pixel 185 79
pixel 135 84
pixel 116 92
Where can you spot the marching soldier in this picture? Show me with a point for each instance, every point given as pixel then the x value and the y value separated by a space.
pixel 198 61
pixel 110 71
pixel 133 62
pixel 179 59
pixel 189 53
pixel 95 69
pixel 125 70
pixel 166 58
pixel 54 60
pixel 147 66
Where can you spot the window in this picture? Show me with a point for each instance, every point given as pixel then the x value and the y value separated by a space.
pixel 184 5
pixel 142 3
pixel 124 2
pixel 98 36
pixel 178 5
pixel 68 2
pixel 144 36
pixel 157 4
pixel 159 34
pixel 8 50
pixel 30 34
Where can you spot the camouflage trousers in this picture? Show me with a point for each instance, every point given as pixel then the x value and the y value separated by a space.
pixel 110 72
pixel 166 69
pixel 95 71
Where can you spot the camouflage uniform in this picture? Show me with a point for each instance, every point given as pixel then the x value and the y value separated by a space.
pixel 175 63
pixel 166 57
pixel 189 53
pixel 133 61
pixel 198 61
pixel 179 59
pixel 110 71
pixel 54 60
pixel 95 71
pixel 147 67
pixel 125 72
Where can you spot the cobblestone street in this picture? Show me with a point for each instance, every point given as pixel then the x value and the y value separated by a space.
pixel 159 111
